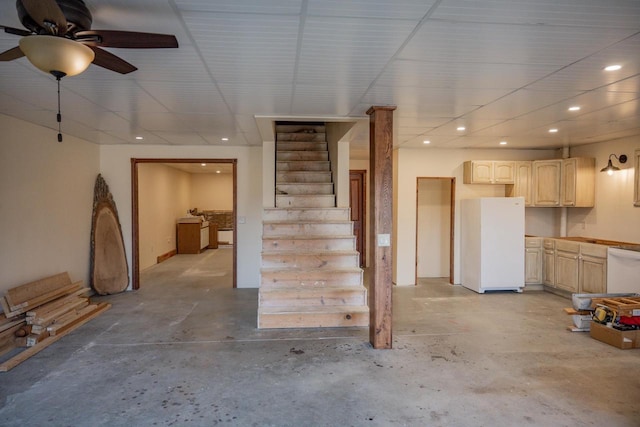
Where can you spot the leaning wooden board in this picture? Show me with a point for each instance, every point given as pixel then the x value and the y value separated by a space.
pixel 109 268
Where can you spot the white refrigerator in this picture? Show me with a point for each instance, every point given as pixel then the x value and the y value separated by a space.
pixel 492 243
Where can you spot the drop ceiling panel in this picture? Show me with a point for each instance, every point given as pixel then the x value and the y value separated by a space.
pixel 471 43
pixel 123 96
pixel 325 99
pixel 173 122
pixel 465 76
pixel 129 137
pixel 588 102
pixel 272 7
pixel 140 15
pixel 595 13
pixel 182 138
pixel 187 97
pixel 520 102
pixel 348 51
pixel 412 10
pixel 246 48
pixel 255 98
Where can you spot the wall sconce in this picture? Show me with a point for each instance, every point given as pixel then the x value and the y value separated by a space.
pixel 609 169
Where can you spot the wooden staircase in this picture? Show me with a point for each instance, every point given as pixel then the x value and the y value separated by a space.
pixel 310 274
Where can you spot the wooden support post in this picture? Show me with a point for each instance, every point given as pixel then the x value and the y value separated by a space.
pixel 381 197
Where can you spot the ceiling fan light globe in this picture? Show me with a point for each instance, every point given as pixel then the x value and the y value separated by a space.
pixel 52 53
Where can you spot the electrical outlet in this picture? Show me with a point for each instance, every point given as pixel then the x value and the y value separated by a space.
pixel 384 240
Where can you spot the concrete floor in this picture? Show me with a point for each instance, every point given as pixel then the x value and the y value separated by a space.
pixel 184 351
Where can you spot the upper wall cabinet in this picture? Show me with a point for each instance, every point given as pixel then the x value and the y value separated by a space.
pixel 546 178
pixel 578 182
pixel 489 172
pixel 555 182
pixel 523 185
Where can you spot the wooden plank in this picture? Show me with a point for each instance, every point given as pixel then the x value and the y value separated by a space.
pixel 34 339
pixel 11 324
pixel 24 355
pixel 43 299
pixel 573 311
pixel 5 307
pixel 50 317
pixel 50 306
pixel 20 294
pixel 70 318
pixel 86 314
pixel 381 199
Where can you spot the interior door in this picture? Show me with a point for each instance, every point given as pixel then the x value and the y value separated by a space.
pixel 358 209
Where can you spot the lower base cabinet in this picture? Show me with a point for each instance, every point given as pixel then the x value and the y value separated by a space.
pixel 567 271
pixel 574 267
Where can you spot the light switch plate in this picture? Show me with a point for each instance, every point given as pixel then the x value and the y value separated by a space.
pixel 384 240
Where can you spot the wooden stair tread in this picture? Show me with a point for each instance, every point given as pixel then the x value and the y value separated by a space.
pixel 309 237
pixel 315 309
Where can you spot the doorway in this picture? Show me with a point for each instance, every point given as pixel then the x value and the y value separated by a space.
pixel 185 164
pixel 357 203
pixel 435 213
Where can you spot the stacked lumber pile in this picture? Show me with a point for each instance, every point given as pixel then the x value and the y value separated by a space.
pixel 39 313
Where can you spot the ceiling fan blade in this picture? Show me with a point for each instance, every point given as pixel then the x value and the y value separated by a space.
pixel 11 54
pixel 16 31
pixel 111 62
pixel 47 14
pixel 126 39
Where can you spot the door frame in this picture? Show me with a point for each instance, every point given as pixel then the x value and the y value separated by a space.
pixel 452 216
pixel 135 241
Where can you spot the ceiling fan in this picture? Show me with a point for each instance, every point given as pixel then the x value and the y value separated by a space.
pixel 59 40
pixel 66 23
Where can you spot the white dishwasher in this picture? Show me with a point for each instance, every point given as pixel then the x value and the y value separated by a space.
pixel 623 269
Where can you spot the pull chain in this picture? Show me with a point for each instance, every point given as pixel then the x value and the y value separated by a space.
pixel 58 75
pixel 59 116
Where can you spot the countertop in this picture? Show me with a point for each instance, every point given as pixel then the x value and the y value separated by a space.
pixel 596 241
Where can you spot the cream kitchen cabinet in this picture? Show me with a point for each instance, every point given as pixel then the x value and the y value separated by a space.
pixel 489 172
pixel 578 182
pixel 575 267
pixel 593 268
pixel 549 262
pixel 533 254
pixel 523 183
pixel 546 182
pixel 567 266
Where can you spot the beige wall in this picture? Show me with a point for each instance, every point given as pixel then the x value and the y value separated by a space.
pixel 46 203
pixel 115 161
pixel 614 217
pixel 163 196
pixel 413 163
pixel 212 191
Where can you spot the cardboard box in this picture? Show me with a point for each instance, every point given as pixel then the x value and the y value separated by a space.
pixel 621 339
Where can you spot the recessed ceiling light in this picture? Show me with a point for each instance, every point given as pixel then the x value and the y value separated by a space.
pixel 614 67
pixel 503 142
pixel 203 164
pixel 460 128
pixel 139 137
pixel 574 108
pixel 554 130
pixel 426 141
pixel 218 171
pixel 224 139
